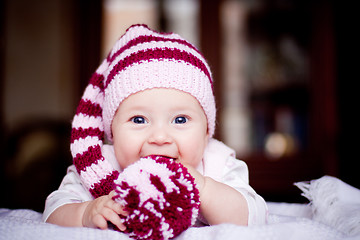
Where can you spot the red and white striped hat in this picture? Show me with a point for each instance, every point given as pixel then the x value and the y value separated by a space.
pixel 141 59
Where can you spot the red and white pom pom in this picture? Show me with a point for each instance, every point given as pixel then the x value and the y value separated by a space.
pixel 160 196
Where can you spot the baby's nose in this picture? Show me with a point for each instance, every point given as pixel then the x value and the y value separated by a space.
pixel 160 136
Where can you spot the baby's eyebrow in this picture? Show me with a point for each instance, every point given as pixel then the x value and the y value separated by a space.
pixel 139 108
pixel 184 108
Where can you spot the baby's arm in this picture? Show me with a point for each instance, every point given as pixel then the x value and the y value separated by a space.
pixel 95 213
pixel 72 205
pixel 220 203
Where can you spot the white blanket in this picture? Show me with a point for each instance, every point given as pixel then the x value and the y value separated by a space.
pixel 286 221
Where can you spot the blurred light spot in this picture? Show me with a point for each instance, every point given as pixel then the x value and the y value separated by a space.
pixel 278 145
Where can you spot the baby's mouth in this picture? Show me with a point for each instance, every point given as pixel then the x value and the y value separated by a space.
pixel 161 156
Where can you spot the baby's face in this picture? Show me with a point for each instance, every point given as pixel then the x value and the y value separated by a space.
pixel 162 122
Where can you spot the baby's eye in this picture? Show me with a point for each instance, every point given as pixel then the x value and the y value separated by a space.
pixel 180 120
pixel 138 120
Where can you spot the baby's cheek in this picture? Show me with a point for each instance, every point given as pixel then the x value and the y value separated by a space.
pixel 193 156
pixel 126 156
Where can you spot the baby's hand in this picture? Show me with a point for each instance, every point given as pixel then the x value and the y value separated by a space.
pixel 199 179
pixel 220 203
pixel 101 210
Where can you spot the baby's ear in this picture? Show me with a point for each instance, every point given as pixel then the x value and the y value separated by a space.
pixel 207 137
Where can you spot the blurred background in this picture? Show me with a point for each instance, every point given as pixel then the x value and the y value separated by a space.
pixel 284 75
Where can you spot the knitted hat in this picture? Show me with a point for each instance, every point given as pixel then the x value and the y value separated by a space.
pixel 141 59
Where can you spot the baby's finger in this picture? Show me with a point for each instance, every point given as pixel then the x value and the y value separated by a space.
pixel 117 208
pixel 112 194
pixel 114 218
pixel 100 222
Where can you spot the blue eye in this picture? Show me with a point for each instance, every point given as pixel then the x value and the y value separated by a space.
pixel 180 120
pixel 138 120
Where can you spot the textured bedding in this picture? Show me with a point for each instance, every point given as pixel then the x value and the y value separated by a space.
pixel 286 221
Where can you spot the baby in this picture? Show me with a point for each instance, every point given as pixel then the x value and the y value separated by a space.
pixel 152 95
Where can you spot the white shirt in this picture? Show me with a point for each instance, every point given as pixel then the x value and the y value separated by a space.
pixel 219 163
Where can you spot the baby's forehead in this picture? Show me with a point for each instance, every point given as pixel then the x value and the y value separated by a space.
pixel 160 96
pixel 162 92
